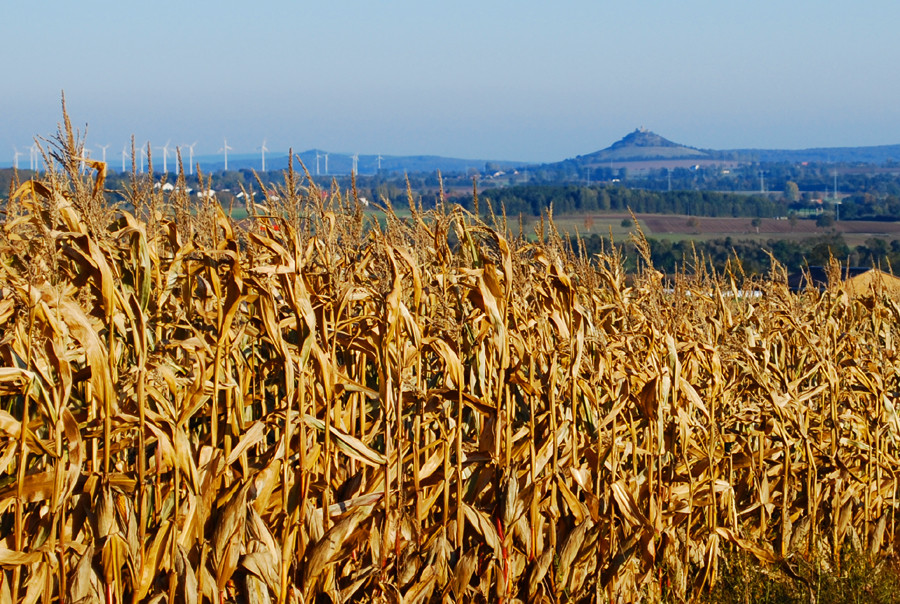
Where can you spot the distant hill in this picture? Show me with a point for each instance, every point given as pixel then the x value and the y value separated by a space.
pixel 879 154
pixel 643 150
pixel 643 145
pixel 342 163
pixel 640 149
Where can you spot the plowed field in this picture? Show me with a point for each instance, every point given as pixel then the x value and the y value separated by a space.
pixel 658 224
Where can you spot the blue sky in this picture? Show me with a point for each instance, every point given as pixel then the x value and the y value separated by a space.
pixel 500 79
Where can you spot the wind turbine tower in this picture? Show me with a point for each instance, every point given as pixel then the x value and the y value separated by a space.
pixel 317 162
pixel 104 148
pixel 263 149
pixel 224 150
pixel 190 149
pixel 355 157
pixel 16 158
pixel 326 164
pixel 124 157
pixel 165 150
pixel 379 163
pixel 33 157
pixel 85 155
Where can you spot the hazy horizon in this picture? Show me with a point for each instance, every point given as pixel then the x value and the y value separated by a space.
pixel 522 81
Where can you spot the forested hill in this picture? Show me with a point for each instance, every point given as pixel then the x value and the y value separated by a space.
pixel 642 145
pixel 881 154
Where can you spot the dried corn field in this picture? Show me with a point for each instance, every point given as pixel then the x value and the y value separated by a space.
pixel 313 403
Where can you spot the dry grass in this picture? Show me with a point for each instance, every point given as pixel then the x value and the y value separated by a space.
pixel 432 410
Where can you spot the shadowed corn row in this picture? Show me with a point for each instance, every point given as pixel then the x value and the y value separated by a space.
pixel 421 409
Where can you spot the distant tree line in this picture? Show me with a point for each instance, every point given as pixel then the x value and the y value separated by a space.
pixel 534 199
pixel 812 179
pixel 864 206
pixel 755 257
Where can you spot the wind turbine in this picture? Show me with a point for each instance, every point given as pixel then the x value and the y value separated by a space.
pixel 165 150
pixel 379 163
pixel 143 154
pixel 191 157
pixel 317 162
pixel 85 155
pixel 326 164
pixel 16 158
pixel 33 156
pixel 355 158
pixel 224 150
pixel 124 156
pixel 263 149
pixel 104 148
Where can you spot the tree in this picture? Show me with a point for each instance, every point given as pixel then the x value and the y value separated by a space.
pixel 824 221
pixel 791 191
pixel 603 201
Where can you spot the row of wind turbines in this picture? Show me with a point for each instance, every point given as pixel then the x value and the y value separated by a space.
pixel 139 158
pixel 165 157
pixel 34 157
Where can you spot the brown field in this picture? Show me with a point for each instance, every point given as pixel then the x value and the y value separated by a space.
pixel 698 227
pixel 659 224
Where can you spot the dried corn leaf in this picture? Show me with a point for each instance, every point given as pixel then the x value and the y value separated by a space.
pixel 482 524
pixel 323 552
pixel 462 574
pixel 349 445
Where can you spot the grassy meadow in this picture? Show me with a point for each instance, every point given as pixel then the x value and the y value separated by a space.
pixel 310 405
